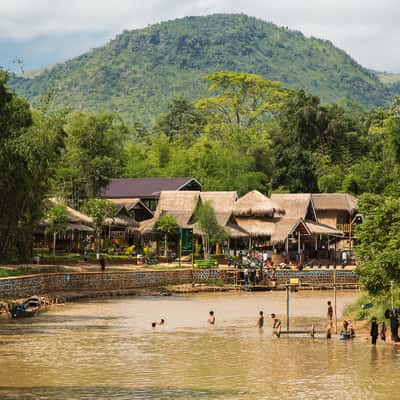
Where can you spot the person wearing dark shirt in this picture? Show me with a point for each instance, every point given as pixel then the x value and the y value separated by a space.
pixel 260 322
pixel 374 330
pixel 394 326
pixel 383 331
pixel 330 311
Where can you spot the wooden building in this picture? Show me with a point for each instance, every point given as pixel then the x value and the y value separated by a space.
pixel 147 189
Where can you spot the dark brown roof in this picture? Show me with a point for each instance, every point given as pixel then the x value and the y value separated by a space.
pixel 146 187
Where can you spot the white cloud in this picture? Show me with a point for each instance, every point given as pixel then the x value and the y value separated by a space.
pixel 367 29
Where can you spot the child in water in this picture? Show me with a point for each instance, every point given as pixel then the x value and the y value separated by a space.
pixel 211 318
pixel 260 322
pixel 277 325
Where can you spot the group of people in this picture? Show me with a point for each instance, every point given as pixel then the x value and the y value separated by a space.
pixel 379 329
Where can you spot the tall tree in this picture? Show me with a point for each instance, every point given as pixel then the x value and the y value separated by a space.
pixel 167 225
pixel 211 231
pixel 56 218
pixel 99 210
pixel 94 154
pixel 241 98
pixel 379 242
pixel 30 146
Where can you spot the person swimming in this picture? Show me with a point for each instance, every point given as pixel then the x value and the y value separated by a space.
pixel 211 318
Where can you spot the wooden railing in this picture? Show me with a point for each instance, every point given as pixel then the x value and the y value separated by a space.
pixel 345 228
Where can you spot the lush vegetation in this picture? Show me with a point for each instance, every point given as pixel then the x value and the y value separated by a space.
pixel 139 72
pixel 248 133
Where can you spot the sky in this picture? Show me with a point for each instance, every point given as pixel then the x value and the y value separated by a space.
pixel 37 33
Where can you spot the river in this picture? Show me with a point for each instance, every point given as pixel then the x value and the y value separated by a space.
pixel 107 349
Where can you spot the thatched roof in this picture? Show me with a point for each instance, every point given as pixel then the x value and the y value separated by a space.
pixel 222 203
pixel 296 205
pixel 255 204
pixel 277 229
pixel 288 226
pixel 74 216
pixel 179 204
pixel 256 227
pixel 321 229
pixel 335 201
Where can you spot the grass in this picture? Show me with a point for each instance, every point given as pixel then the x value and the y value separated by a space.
pixel 6 272
pixel 379 303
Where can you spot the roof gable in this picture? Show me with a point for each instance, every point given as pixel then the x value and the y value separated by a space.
pixel 335 201
pixel 296 205
pixel 146 187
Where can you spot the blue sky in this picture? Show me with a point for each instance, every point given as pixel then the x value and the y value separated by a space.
pixel 43 32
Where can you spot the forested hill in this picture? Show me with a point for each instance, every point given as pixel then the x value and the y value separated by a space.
pixel 139 71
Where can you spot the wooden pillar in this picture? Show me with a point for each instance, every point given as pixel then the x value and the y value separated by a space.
pixel 299 246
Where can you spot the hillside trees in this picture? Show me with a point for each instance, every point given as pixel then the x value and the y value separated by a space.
pixel 94 154
pixel 30 147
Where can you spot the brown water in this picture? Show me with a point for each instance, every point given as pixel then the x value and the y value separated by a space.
pixel 107 350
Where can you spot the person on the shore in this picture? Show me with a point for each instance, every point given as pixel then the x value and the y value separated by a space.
pixel 394 326
pixel 102 263
pixel 383 331
pixel 330 311
pixel 153 324
pixel 277 325
pixel 211 319
pixel 246 276
pixel 374 330
pixel 162 321
pixel 260 322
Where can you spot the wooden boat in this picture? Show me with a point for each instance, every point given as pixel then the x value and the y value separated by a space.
pixel 26 309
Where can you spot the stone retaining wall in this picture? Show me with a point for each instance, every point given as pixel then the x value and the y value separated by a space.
pixel 23 286
pixel 319 277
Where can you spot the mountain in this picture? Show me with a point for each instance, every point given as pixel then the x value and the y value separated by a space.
pixel 139 71
pixel 392 82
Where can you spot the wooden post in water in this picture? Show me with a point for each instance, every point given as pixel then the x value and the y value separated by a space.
pixel 334 292
pixel 287 306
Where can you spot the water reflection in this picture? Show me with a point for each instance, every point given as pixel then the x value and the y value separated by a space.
pixel 108 350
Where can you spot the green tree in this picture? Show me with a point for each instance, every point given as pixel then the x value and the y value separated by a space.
pixel 99 210
pixel 211 231
pixel 379 242
pixel 242 99
pixel 56 218
pixel 168 226
pixel 181 121
pixel 94 154
pixel 30 147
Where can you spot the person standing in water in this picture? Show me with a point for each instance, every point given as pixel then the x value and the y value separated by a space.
pixel 383 331
pixel 211 319
pixel 374 330
pixel 330 311
pixel 260 322
pixel 277 325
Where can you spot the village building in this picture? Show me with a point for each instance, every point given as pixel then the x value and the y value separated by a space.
pixel 147 190
pixel 285 226
pixel 122 230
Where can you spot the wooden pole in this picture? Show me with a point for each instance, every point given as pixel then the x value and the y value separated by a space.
pixel 287 306
pixel 334 292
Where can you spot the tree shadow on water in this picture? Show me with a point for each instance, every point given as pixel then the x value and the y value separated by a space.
pixel 112 393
